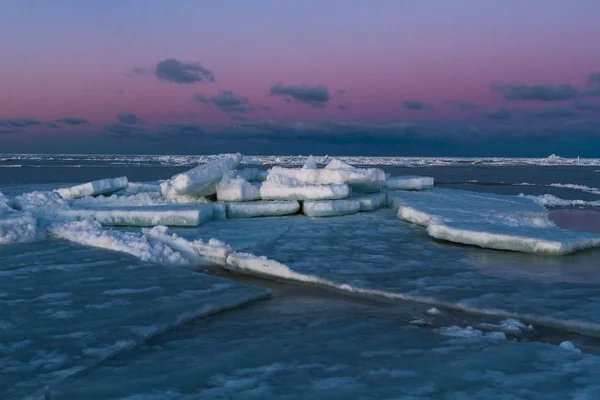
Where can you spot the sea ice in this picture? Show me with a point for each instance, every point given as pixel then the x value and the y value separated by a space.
pixel 202 180
pixel 261 209
pixel 371 202
pixel 39 201
pixel 252 174
pixel 94 188
pixel 310 163
pixel 409 182
pixel 171 215
pixel 17 227
pixel 220 211
pixel 236 189
pixel 338 164
pixel 330 208
pixel 331 176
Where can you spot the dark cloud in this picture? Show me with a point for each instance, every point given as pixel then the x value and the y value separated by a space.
pixel 52 125
pixel 557 112
pixel 498 113
pixel 518 91
pixel 128 118
pixel 413 104
pixel 594 79
pixel 121 130
pixel 226 101
pixel 73 121
pixel 343 107
pixel 173 70
pixel 593 92
pixel 461 105
pixel 139 71
pixel 586 105
pixel 316 96
pixel 239 118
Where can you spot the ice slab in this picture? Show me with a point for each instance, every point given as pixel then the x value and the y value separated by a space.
pixel 330 208
pixel 130 200
pixel 271 190
pixel 220 211
pixel 417 207
pixel 332 176
pixel 409 182
pixel 94 188
pixel 171 215
pixel 237 189
pixel 143 187
pixel 39 201
pixel 202 180
pixel 261 209
pixel 371 202
pixel 517 235
pixel 68 308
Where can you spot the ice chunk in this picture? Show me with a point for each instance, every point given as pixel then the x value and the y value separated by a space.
pixel 138 199
pixel 213 251
pixel 202 180
pixel 94 188
pixel 310 163
pixel 90 233
pixel 371 202
pixel 39 201
pixel 237 189
pixel 338 164
pixel 330 208
pixel 489 232
pixel 262 266
pixel 409 182
pixel 143 187
pixel 252 174
pixel 273 190
pixel 332 176
pixel 172 215
pixel 261 209
pixel 172 197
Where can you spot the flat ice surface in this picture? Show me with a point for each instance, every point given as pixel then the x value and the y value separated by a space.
pixel 409 182
pixel 171 215
pixel 202 180
pixel 324 348
pixel 261 209
pixel 486 220
pixel 275 191
pixel 330 208
pixel 94 188
pixel 371 202
pixel 66 308
pixel 396 259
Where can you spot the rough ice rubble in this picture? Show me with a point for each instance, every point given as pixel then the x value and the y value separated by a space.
pixel 94 188
pixel 16 226
pixel 261 209
pixel 202 180
pixel 281 187
pixel 409 182
pixel 330 208
pixel 489 221
pixel 330 176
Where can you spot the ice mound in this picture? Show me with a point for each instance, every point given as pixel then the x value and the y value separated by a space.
pixel 171 215
pixel 90 233
pixel 94 188
pixel 261 209
pixel 279 187
pixel 372 202
pixel 338 164
pixel 202 180
pixel 330 208
pixel 491 221
pixel 409 182
pixel 171 196
pixel 17 227
pixel 236 189
pixel 252 174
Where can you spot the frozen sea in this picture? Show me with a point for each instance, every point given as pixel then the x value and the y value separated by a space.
pixel 389 313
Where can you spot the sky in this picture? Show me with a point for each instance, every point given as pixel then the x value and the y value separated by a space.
pixel 338 77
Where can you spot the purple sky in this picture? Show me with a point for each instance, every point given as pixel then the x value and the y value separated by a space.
pixel 73 72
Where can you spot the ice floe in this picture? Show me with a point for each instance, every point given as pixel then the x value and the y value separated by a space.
pixel 330 208
pixel 409 182
pixel 261 209
pixel 94 188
